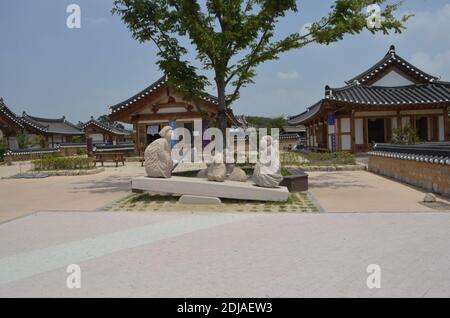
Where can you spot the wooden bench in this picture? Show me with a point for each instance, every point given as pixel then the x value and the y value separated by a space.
pixel 109 157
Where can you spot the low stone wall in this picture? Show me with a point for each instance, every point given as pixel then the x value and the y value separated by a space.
pixel 357 167
pixel 429 176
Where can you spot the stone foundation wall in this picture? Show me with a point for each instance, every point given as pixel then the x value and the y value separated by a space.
pixel 432 177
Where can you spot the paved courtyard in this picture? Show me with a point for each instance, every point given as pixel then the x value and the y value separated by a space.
pixel 226 254
pixel 190 254
pixel 350 191
pixel 362 191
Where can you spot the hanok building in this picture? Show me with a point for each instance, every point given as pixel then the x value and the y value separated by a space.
pixel 55 131
pixel 160 105
pixel 104 133
pixel 291 136
pixel 392 93
pixel 10 125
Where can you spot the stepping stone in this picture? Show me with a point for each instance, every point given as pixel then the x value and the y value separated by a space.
pixel 200 200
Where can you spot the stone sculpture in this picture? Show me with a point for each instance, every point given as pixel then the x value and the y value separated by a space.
pixel 267 169
pixel 158 160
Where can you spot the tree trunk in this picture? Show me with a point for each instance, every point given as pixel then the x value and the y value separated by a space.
pixel 222 116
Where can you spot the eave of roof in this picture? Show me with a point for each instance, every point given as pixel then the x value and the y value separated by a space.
pixel 9 114
pixel 309 114
pixel 108 128
pixel 430 93
pixel 45 125
pixel 149 90
pixel 389 59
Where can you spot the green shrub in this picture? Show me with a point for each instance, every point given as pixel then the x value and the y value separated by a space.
pixel 39 141
pixel 23 140
pixel 3 149
pixel 405 136
pixel 62 163
pixel 77 139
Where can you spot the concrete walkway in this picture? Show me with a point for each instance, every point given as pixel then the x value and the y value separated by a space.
pixel 81 193
pixel 362 191
pixel 225 255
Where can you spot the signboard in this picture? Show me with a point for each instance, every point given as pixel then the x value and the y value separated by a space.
pixel 332 131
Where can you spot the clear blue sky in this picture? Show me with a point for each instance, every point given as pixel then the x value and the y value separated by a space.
pixel 49 70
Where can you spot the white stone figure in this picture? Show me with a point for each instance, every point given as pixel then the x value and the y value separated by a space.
pixel 158 160
pixel 267 169
pixel 217 170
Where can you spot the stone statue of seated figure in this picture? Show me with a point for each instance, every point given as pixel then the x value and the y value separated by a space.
pixel 267 169
pixel 158 160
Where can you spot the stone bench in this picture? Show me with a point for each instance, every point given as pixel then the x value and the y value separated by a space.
pixel 203 187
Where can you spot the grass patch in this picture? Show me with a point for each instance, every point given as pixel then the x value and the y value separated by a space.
pixel 317 158
pixel 152 202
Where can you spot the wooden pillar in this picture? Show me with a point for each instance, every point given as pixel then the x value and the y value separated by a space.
pixel 136 138
pixel 446 124
pixel 399 120
pixel 308 135
pixel 352 131
pixel 338 134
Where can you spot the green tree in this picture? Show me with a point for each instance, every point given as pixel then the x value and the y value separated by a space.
pixel 104 119
pixel 267 122
pixel 22 138
pixel 40 141
pixel 232 37
pixel 77 139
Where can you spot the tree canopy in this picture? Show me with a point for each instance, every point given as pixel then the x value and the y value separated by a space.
pixel 232 37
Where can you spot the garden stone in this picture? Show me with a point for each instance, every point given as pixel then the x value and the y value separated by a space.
pixel 217 171
pixel 238 175
pixel 229 168
pixel 429 198
pixel 158 161
pixel 203 173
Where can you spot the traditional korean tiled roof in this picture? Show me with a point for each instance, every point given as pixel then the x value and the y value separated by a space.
pixel 309 113
pixel 430 93
pixel 391 58
pixel 289 136
pixel 148 91
pixel 9 114
pixel 154 87
pixel 51 126
pixel 434 153
pixel 427 91
pixel 110 128
pixel 294 129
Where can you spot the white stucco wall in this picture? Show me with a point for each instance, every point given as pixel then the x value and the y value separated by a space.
pixel 393 79
pixel 406 121
pixel 346 142
pixel 359 131
pixel 441 128
pixel 345 125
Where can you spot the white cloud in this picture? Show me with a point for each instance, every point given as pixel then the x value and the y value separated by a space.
pixel 288 76
pixel 438 64
pixel 435 23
